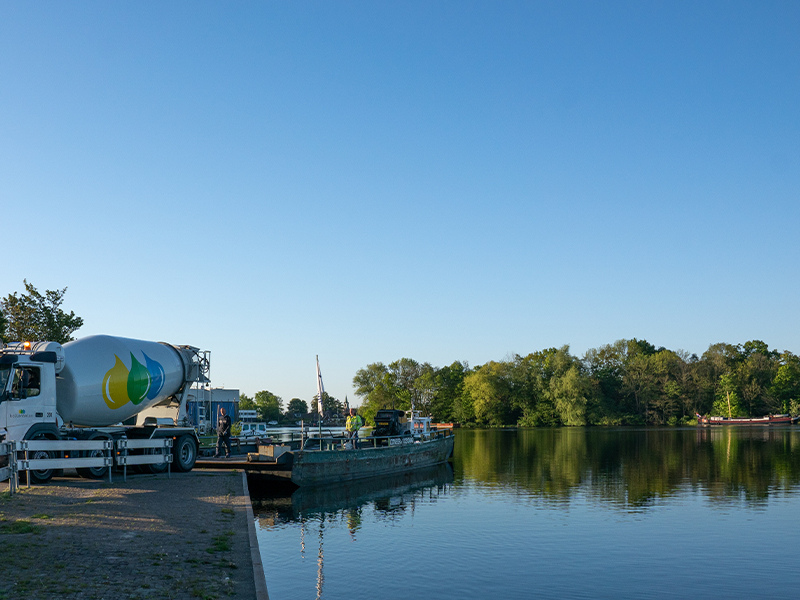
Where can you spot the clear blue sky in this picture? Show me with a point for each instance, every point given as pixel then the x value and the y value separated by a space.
pixel 371 180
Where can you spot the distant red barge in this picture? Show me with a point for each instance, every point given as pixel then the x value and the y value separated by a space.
pixel 768 420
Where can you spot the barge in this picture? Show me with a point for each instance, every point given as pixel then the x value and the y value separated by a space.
pixel 335 462
pixel 767 420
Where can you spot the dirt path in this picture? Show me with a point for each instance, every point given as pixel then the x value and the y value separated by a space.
pixel 152 537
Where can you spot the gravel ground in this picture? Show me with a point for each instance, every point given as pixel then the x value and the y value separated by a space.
pixel 152 537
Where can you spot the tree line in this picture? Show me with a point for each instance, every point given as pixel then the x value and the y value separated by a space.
pixel 269 407
pixel 629 382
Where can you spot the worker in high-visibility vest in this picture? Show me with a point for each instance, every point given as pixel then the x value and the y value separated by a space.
pixel 354 423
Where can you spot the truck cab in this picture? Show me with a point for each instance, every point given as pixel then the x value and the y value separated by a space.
pixel 27 392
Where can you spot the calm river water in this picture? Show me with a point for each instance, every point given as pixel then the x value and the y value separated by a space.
pixel 553 513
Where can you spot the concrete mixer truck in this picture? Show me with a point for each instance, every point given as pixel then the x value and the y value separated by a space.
pixel 100 387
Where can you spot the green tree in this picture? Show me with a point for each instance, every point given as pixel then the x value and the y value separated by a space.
pixel 752 347
pixel 268 405
pixel 373 385
pixel 329 403
pixel 569 392
pixel 785 386
pixel 620 380
pixel 490 390
pixel 666 392
pixel 401 385
pixel 297 408
pixel 727 402
pixel 720 358
pixel 448 388
pixel 37 318
pixel 638 381
pixel 686 390
pixel 413 382
pixel 368 379
pixel 550 388
pixel 532 396
pixel 756 374
pixel 642 347
pixel 246 402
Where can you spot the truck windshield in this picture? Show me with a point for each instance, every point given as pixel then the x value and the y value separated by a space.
pixel 5 372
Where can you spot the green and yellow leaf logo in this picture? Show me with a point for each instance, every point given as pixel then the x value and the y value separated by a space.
pixel 122 385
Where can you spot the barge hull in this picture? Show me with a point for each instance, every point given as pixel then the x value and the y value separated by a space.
pixel 318 467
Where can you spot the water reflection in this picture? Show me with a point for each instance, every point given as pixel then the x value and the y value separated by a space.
pixel 385 495
pixel 317 508
pixel 632 467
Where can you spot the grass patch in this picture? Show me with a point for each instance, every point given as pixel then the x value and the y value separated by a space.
pixel 68 590
pixel 221 543
pixel 203 594
pixel 22 585
pixel 228 511
pixel 42 516
pixel 21 526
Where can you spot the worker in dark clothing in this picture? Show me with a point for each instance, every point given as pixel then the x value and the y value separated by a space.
pixel 223 433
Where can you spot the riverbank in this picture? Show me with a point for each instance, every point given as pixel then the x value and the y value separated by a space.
pixel 187 537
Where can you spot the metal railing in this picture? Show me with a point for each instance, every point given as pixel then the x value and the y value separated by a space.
pixel 338 442
pixel 147 458
pixel 7 471
pixel 40 455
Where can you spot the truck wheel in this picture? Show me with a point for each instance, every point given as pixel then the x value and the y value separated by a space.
pixel 94 472
pixel 155 469
pixel 184 453
pixel 42 475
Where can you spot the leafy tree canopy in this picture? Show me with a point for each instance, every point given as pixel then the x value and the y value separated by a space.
pixel 246 402
pixel 629 382
pixel 329 403
pixel 297 408
pixel 37 317
pixel 268 405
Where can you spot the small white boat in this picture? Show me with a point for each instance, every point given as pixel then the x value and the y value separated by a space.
pixel 253 430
